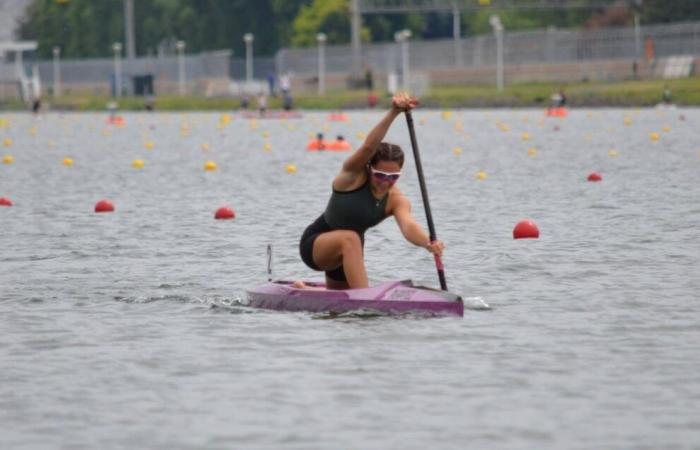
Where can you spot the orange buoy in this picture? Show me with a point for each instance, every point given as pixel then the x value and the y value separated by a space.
pixel 526 229
pixel 338 117
pixel 224 213
pixel 4 201
pixel 339 145
pixel 115 120
pixel 595 176
pixel 104 206
pixel 557 112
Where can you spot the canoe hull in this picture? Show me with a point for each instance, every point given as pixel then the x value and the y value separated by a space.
pixel 392 297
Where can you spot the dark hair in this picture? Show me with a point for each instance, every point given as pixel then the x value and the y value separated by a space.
pixel 387 152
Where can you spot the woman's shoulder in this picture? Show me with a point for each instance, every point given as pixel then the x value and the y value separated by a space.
pixel 397 199
pixel 349 181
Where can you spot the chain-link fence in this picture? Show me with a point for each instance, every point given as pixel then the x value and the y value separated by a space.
pixel 530 47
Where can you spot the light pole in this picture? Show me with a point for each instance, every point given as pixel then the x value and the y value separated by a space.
pixel 456 33
pixel 248 39
pixel 637 7
pixel 402 38
pixel 321 39
pixel 117 47
pixel 56 71
pixel 180 45
pixel 497 26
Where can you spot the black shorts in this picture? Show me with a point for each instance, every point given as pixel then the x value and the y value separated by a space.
pixel 306 248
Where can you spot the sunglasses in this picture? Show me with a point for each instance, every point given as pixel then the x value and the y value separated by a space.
pixel 388 177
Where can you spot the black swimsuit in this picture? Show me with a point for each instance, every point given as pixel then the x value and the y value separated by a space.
pixel 355 210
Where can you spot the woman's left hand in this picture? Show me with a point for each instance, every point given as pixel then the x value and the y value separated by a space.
pixel 436 247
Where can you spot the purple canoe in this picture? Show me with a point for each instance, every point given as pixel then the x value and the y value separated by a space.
pixel 391 297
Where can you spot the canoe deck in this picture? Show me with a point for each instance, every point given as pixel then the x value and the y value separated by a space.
pixel 391 297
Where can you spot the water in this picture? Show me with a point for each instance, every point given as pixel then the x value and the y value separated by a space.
pixel 123 330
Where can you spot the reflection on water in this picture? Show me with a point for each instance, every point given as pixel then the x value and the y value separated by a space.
pixel 126 329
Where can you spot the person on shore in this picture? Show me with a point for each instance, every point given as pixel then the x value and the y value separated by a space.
pixel 559 99
pixel 36 105
pixel 285 84
pixel 271 83
pixel 667 95
pixel 262 103
pixel 364 193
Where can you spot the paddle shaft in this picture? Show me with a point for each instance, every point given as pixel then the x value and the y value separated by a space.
pixel 426 202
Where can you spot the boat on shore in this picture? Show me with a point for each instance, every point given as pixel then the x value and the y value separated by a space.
pixel 389 297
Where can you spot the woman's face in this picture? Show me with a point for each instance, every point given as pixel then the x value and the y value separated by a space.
pixel 383 175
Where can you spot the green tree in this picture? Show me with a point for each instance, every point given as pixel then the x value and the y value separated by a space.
pixel 87 28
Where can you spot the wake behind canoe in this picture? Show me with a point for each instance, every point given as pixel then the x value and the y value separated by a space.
pixel 391 297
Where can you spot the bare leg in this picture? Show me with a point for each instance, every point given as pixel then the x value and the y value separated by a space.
pixel 344 247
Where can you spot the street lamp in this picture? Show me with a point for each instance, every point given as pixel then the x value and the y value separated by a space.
pixel 56 71
pixel 321 39
pixel 402 38
pixel 497 26
pixel 180 46
pixel 248 39
pixel 117 48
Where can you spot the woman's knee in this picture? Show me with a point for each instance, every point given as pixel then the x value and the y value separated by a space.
pixel 350 241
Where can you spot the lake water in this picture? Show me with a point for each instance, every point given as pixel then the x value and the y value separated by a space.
pixel 123 330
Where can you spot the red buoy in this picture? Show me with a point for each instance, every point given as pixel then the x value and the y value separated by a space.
pixel 104 206
pixel 526 229
pixel 224 213
pixel 4 201
pixel 595 176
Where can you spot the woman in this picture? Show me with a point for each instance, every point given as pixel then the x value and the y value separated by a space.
pixel 364 194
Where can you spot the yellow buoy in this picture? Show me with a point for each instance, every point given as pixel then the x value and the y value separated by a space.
pixel 361 135
pixel 532 151
pixel 7 159
pixel 446 115
pixel 137 164
pixel 267 147
pixel 654 136
pixel 7 142
pixel 457 151
pixel 67 162
pixel 265 134
pixel 612 153
pixel 667 128
pixel 526 136
pixel 32 131
pixel 290 168
pixel 628 120
pixel 503 127
pixel 209 166
pixel 149 145
pixel 481 175
pixel 205 147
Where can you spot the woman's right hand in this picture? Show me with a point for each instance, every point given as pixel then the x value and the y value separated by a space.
pixel 403 102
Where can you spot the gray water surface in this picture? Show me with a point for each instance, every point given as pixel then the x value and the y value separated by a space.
pixel 123 330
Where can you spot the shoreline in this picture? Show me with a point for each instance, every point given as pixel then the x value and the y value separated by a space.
pixel 631 93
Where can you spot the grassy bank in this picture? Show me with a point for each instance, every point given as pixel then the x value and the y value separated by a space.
pixel 686 92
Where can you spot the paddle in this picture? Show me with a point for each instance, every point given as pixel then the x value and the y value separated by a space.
pixel 426 203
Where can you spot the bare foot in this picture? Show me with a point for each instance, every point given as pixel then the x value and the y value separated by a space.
pixel 298 284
